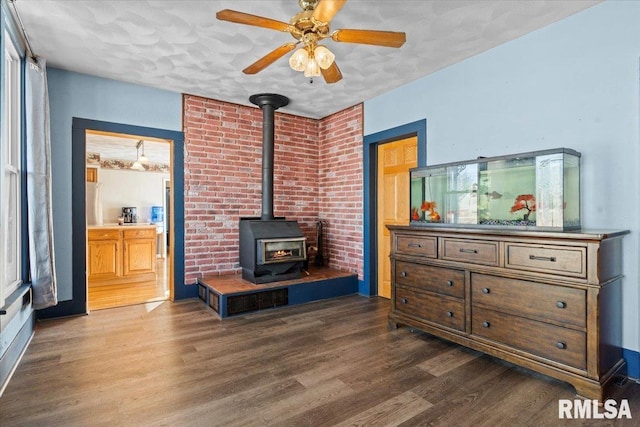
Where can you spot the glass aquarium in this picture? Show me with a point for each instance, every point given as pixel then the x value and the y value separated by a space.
pixel 538 191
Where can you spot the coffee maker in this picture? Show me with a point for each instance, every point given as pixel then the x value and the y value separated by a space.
pixel 129 215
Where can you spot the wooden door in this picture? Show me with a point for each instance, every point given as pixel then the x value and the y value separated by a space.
pixel 394 161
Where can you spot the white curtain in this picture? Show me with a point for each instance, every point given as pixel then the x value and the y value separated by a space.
pixel 41 254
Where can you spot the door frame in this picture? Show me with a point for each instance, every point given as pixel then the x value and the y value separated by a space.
pixel 382 202
pixel 369 285
pixel 78 305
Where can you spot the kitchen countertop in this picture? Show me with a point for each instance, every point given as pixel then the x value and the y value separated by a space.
pixel 128 226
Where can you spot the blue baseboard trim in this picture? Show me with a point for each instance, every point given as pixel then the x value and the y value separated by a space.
pixel 633 362
pixel 186 291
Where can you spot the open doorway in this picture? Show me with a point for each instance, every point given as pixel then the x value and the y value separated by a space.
pixel 395 158
pixel 372 239
pixel 128 261
pixel 178 289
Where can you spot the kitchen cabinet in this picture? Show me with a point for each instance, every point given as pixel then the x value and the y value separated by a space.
pixel 139 251
pixel 121 254
pixel 548 301
pixel 104 252
pixel 92 174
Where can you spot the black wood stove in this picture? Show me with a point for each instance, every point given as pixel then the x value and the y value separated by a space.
pixel 271 249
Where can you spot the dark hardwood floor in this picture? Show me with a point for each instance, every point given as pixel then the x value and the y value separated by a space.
pixel 326 363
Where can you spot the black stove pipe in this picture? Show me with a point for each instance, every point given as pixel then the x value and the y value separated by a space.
pixel 268 103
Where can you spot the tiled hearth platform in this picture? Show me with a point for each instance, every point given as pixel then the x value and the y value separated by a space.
pixel 231 295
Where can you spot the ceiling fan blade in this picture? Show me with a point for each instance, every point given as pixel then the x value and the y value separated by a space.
pixel 326 9
pixel 269 58
pixel 248 19
pixel 378 38
pixel 332 74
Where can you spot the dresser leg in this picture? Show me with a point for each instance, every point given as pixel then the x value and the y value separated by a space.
pixel 589 391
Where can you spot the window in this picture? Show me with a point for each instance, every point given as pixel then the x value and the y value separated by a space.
pixel 10 176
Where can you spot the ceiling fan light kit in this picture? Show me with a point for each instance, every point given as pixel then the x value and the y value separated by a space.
pixel 324 57
pixel 308 27
pixel 311 60
pixel 299 60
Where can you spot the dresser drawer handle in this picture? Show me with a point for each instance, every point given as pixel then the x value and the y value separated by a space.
pixel 486 324
pixel 486 290
pixel 449 283
pixel 561 345
pixel 449 313
pixel 542 258
pixel 403 274
pixel 468 251
pixel 403 300
pixel 561 304
pixel 414 245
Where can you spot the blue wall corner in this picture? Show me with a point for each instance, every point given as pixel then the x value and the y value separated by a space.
pixel 363 289
pixel 633 362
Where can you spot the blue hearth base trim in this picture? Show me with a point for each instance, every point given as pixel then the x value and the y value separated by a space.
pixel 231 295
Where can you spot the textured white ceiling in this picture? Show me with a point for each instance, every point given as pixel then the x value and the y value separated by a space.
pixel 182 47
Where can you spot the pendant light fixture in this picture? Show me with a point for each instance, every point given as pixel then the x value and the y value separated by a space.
pixel 137 165
pixel 142 159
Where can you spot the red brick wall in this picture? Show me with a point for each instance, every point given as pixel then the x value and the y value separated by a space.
pixel 341 180
pixel 317 174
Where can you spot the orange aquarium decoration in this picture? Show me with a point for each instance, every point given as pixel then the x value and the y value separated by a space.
pixel 524 201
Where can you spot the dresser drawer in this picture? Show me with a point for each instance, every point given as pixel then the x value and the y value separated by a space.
pixel 144 233
pixel 530 299
pixel 106 234
pixel 436 279
pixel 443 310
pixel 562 345
pixel 567 261
pixel 474 251
pixel 425 246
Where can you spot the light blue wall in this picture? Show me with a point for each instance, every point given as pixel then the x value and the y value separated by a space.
pixel 88 97
pixel 572 84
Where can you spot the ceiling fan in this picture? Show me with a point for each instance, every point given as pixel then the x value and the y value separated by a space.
pixel 310 27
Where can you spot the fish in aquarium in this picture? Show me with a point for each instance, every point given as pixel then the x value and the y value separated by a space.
pixel 430 207
pixel 415 216
pixel 493 195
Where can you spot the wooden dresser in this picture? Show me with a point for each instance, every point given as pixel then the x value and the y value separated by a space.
pixel 547 301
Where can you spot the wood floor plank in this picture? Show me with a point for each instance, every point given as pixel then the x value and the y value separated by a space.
pixel 327 363
pixel 379 391
pixel 391 412
pixel 448 361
